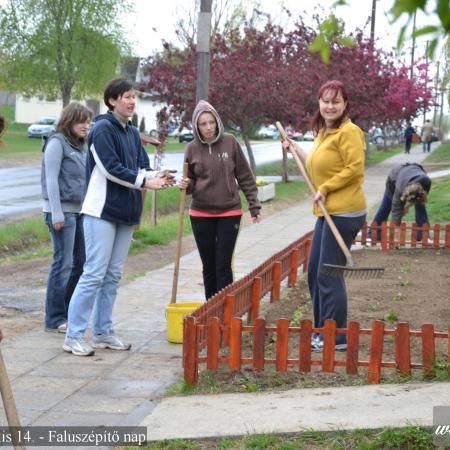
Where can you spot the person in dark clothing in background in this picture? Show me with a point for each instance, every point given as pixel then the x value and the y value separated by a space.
pixel 406 185
pixel 217 166
pixel 2 125
pixel 409 133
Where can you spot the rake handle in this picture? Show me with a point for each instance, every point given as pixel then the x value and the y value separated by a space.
pixel 9 404
pixel 313 190
pixel 176 271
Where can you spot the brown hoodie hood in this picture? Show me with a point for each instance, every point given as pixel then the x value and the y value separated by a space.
pixel 202 107
pixel 217 168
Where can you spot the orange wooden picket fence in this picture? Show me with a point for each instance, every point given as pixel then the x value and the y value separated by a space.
pixel 234 360
pixel 218 323
pixel 407 237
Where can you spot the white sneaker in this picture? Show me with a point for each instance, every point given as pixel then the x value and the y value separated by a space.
pixel 77 346
pixel 109 341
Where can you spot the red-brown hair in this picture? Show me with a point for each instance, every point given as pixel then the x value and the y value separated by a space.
pixel 336 86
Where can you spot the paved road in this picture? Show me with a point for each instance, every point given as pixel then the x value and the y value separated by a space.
pixel 20 187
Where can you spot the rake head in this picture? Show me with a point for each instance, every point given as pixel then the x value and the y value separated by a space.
pixel 353 272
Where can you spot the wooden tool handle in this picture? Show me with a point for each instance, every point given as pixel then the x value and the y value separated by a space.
pixel 176 271
pixel 8 402
pixel 313 190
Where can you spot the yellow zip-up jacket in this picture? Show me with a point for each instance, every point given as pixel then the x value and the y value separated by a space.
pixel 336 168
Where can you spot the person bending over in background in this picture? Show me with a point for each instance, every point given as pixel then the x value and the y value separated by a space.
pixel 63 178
pixel 406 185
pixel 217 166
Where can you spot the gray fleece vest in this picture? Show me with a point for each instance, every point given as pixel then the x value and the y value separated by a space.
pixel 72 175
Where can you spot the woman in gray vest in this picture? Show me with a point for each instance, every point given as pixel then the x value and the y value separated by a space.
pixel 63 183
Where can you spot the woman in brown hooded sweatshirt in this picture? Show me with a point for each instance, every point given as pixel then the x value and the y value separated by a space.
pixel 217 166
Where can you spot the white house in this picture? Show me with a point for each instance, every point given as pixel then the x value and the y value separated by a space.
pixel 28 109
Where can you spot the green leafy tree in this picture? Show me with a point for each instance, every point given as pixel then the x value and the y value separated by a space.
pixel 435 33
pixel 60 48
pixel 331 29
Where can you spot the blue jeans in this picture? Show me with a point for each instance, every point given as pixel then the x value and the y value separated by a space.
pixel 107 245
pixel 426 146
pixel 385 209
pixel 328 293
pixel 67 266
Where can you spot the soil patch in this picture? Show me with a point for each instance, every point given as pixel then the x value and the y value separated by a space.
pixel 414 289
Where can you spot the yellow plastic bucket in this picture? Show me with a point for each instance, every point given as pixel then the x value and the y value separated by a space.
pixel 174 314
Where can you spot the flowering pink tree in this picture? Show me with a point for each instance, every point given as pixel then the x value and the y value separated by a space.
pixel 262 75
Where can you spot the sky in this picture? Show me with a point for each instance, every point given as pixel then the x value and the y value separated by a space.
pixel 149 24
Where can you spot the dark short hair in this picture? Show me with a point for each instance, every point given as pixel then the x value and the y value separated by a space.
pixel 71 115
pixel 115 89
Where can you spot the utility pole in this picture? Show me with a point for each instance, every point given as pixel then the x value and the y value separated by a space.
pixel 426 79
pixel 203 49
pixel 442 111
pixel 372 20
pixel 413 46
pixel 436 95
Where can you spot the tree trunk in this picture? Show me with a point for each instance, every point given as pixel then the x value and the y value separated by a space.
pixel 66 92
pixel 366 138
pixel 251 157
pixel 285 174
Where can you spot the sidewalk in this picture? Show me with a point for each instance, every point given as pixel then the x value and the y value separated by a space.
pixel 53 388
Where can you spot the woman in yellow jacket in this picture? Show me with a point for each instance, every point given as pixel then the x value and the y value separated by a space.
pixel 336 168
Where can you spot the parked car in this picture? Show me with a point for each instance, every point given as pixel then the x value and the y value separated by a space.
pixel 268 132
pixel 294 134
pixel 308 136
pixel 172 130
pixel 185 135
pixel 43 127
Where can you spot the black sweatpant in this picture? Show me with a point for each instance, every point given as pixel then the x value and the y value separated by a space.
pixel 216 238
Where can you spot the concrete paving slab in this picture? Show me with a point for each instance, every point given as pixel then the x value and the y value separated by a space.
pixel 84 418
pixel 322 409
pixel 139 388
pixel 96 403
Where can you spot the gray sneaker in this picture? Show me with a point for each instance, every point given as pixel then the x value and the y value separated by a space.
pixel 340 347
pixel 59 329
pixel 77 346
pixel 109 341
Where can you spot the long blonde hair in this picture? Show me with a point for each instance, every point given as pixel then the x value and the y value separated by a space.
pixel 412 194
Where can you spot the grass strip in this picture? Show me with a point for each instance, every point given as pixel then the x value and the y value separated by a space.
pixel 412 437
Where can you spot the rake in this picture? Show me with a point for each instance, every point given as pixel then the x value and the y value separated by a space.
pixel 350 269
